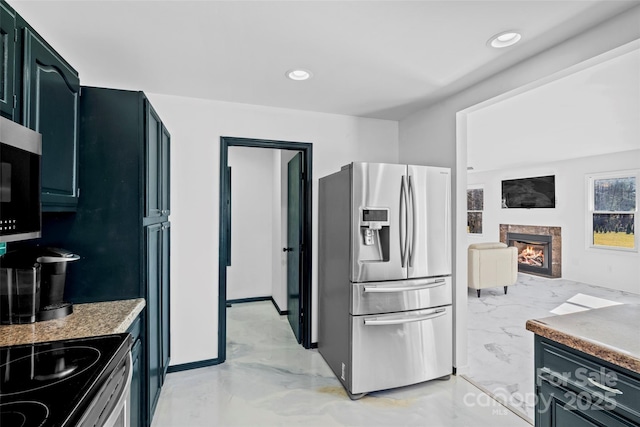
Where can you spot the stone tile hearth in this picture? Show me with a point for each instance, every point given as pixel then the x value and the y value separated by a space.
pixel 556 243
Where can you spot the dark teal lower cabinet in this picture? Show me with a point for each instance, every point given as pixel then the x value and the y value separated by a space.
pixel 157 250
pixel 136 407
pixel 136 385
pixel 566 408
pixel 165 298
pixel 574 389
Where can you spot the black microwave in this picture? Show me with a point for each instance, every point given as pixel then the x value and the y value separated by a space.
pixel 20 158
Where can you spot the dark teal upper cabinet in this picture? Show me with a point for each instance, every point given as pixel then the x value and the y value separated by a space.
pixel 153 149
pixel 165 156
pixel 8 38
pixel 51 95
pixel 157 166
pixel 40 90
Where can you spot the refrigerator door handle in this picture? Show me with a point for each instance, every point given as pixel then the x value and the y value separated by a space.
pixel 403 222
pixel 447 207
pixel 405 319
pixel 388 289
pixel 412 222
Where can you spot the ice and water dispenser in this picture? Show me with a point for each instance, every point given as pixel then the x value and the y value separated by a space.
pixel 374 229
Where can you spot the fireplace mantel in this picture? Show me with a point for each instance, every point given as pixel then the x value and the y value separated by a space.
pixel 556 241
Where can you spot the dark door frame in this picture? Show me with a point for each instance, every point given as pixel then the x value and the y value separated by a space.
pixel 225 238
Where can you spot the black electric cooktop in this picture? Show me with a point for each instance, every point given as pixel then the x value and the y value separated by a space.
pixel 52 384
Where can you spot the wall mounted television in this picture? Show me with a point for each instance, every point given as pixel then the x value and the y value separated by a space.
pixel 527 193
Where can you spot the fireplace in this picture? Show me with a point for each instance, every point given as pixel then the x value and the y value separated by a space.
pixel 534 252
pixel 539 248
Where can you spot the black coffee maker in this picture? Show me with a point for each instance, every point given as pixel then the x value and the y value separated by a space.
pixel 53 262
pixel 32 283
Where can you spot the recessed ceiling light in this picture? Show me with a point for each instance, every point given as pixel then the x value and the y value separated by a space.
pixel 299 74
pixel 504 39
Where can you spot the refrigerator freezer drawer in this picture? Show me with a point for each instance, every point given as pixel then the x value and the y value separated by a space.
pixel 399 349
pixel 401 295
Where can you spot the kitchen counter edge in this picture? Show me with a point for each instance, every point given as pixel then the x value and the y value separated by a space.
pixel 87 320
pixel 561 329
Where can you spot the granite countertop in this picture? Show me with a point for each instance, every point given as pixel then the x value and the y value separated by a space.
pixel 610 333
pixel 87 320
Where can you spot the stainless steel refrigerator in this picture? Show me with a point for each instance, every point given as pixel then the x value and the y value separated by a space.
pixel 384 275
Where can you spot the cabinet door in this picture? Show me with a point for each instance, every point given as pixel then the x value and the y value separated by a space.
pixel 165 298
pixel 559 407
pixel 154 322
pixel 50 106
pixel 7 61
pixel 135 406
pixel 153 148
pixel 165 172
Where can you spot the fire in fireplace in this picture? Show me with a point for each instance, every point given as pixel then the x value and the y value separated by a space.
pixel 534 252
pixel 531 255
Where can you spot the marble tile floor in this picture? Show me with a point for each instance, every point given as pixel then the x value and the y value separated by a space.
pixel 269 380
pixel 501 349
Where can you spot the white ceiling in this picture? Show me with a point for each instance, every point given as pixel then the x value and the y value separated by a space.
pixel 590 112
pixel 379 59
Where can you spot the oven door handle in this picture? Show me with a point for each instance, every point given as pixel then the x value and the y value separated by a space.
pixel 118 410
pixel 403 320
pixel 123 399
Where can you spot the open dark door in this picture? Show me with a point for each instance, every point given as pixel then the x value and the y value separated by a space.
pixel 299 259
pixel 294 243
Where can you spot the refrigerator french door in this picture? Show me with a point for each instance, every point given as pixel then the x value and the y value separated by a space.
pixel 415 239
pixel 385 317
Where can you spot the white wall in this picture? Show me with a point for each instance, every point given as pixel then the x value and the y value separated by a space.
pixel 602 267
pixel 252 211
pixel 430 136
pixel 196 126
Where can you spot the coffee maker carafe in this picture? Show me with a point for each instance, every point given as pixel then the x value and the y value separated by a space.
pixel 19 289
pixel 53 262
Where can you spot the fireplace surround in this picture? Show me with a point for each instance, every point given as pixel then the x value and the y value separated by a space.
pixel 539 248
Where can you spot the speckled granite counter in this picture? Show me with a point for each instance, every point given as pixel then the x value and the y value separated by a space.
pixel 87 320
pixel 610 333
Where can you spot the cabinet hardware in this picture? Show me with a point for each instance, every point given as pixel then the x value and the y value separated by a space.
pixel 603 387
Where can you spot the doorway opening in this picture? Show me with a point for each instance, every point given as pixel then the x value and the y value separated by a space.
pixel 299 255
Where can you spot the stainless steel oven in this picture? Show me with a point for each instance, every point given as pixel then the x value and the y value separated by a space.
pixel 110 406
pixel 20 159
